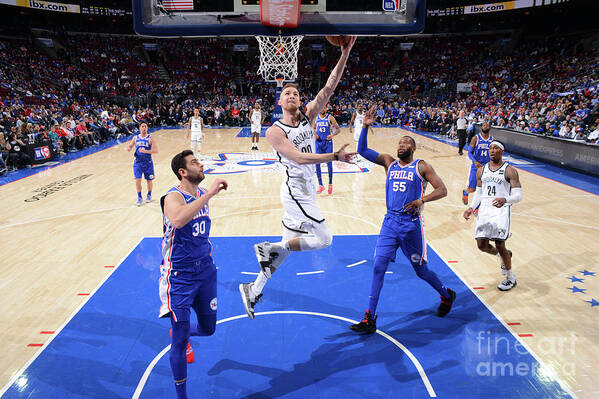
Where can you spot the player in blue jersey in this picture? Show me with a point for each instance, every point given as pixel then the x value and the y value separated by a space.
pixel 324 144
pixel 403 225
pixel 143 165
pixel 188 274
pixel 479 154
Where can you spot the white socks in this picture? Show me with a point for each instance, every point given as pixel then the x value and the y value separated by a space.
pixel 259 284
pixel 282 249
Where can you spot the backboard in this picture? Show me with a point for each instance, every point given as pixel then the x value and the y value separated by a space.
pixel 232 18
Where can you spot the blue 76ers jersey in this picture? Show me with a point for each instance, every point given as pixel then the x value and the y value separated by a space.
pixel 142 143
pixel 404 185
pixel 481 150
pixel 323 128
pixel 188 244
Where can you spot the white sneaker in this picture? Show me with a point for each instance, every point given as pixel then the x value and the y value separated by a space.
pixel 248 298
pixel 265 258
pixel 507 284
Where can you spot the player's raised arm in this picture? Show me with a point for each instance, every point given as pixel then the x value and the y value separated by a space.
pixel 380 159
pixel 322 98
pixel 279 142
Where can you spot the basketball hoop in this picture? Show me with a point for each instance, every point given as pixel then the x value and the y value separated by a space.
pixel 278 57
pixel 280 81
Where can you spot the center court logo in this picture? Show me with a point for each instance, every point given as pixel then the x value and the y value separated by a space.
pixel 229 163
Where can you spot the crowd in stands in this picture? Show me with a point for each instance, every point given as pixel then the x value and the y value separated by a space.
pixel 101 87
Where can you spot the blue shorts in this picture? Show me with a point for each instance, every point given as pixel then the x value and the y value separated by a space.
pixel 145 169
pixel 472 176
pixel 192 286
pixel 405 232
pixel 324 147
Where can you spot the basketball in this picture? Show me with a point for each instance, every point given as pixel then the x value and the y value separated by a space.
pixel 338 40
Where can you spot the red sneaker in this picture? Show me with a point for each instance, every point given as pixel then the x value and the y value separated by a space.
pixel 320 189
pixel 464 197
pixel 330 189
pixel 188 351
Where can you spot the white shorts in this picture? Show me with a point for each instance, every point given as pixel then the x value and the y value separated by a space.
pixel 357 131
pixel 298 197
pixel 196 137
pixel 493 223
pixel 256 128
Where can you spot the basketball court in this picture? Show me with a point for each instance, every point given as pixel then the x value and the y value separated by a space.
pixel 81 264
pixel 89 298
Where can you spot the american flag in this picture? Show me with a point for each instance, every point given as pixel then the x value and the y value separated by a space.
pixel 177 5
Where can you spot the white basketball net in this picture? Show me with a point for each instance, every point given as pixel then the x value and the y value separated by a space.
pixel 278 57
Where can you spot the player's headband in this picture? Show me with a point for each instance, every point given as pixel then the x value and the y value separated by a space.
pixel 498 144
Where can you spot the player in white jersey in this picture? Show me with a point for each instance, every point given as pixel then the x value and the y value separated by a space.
pixel 498 187
pixel 256 118
pixel 293 140
pixel 195 131
pixel 357 120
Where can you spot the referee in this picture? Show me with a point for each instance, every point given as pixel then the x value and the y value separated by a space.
pixel 461 123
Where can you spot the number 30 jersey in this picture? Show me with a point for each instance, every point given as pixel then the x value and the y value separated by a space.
pixel 495 185
pixel 188 244
pixel 404 185
pixel 302 137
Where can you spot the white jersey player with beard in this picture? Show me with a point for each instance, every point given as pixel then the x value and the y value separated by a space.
pixel 498 188
pixel 293 140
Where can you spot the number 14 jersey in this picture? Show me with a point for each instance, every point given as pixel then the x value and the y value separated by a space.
pixel 188 244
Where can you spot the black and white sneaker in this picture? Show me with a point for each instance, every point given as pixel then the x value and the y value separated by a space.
pixel 503 271
pixel 266 255
pixel 367 325
pixel 507 284
pixel 248 298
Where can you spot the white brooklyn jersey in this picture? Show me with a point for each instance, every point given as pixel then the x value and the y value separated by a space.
pixel 495 185
pixel 256 117
pixel 359 121
pixel 494 223
pixel 196 125
pixel 302 137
